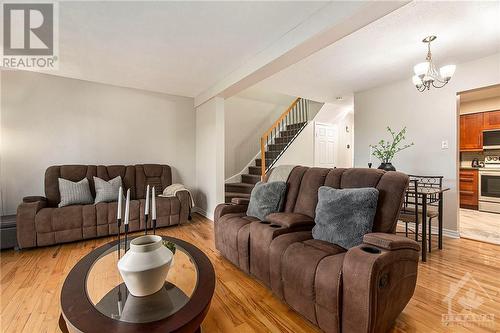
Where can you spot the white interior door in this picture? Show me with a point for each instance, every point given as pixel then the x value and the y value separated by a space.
pixel 324 145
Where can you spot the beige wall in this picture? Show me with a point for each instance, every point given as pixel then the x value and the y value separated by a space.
pixel 246 119
pixel 301 151
pixel 48 120
pixel 431 117
pixel 210 156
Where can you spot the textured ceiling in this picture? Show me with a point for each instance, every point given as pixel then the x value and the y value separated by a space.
pixel 173 47
pixel 387 49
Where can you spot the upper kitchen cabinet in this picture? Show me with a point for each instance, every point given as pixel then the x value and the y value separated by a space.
pixel 491 120
pixel 471 132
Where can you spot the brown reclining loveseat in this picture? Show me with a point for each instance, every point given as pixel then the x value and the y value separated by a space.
pixel 40 222
pixel 362 289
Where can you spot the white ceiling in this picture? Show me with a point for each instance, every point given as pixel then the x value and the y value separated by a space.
pixel 387 49
pixel 180 48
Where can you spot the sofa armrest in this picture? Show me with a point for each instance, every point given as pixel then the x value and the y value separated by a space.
pixel 25 222
pixel 390 241
pixel 223 209
pixel 185 200
pixel 34 198
pixel 290 220
pixel 240 201
pixel 379 278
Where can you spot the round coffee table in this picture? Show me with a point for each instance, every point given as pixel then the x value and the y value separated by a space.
pixel 95 299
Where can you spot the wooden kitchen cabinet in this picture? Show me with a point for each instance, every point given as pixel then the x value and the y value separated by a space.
pixel 491 120
pixel 469 188
pixel 471 132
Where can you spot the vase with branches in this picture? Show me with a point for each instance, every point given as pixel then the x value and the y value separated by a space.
pixel 386 150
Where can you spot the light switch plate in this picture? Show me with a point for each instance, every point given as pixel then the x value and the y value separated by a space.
pixel 444 144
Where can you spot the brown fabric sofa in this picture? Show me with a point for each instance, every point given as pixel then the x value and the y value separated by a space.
pixel 40 222
pixel 362 289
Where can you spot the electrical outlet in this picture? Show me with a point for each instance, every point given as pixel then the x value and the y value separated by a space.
pixel 444 144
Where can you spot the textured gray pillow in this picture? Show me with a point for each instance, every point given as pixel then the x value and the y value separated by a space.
pixel 266 198
pixel 75 193
pixel 344 216
pixel 107 191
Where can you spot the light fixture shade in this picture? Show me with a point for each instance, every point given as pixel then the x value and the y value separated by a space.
pixel 447 71
pixel 417 81
pixel 421 68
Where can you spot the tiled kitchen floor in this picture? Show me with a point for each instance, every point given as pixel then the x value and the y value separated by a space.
pixel 480 226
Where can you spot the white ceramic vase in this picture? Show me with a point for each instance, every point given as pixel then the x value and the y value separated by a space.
pixel 145 265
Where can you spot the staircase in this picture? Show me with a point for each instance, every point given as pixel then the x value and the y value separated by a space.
pixel 274 143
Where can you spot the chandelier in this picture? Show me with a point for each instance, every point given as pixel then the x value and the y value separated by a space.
pixel 426 74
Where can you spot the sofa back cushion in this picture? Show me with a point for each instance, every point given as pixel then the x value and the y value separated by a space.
pixel 307 198
pixel 304 183
pixel 134 177
pixel 74 173
pixel 293 187
pixel 159 176
pixel 126 173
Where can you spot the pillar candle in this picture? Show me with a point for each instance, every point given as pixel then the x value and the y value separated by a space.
pixel 120 196
pixel 127 207
pixel 153 203
pixel 146 210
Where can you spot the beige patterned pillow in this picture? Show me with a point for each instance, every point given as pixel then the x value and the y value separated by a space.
pixel 74 193
pixel 107 191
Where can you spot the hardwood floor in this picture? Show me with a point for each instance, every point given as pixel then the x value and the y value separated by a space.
pixel 31 280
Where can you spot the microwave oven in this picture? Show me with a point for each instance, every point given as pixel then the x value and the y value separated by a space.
pixel 491 139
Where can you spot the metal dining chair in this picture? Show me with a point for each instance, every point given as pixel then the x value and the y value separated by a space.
pixel 410 213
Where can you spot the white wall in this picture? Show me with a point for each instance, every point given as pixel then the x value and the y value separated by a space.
pixel 48 120
pixel 430 117
pixel 301 151
pixel 246 119
pixel 210 155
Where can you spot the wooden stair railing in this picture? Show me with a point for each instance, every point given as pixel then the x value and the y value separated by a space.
pixel 297 114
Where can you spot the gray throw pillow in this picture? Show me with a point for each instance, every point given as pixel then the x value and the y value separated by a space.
pixel 107 191
pixel 344 216
pixel 266 198
pixel 75 193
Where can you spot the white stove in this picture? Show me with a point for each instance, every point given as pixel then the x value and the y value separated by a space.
pixel 489 184
pixel 492 161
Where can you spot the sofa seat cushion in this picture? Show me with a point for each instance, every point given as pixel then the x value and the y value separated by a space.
pixel 59 225
pixel 290 220
pixel 58 219
pixel 232 238
pixel 299 266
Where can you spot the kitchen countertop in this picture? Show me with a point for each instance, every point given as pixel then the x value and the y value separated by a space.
pixel 470 168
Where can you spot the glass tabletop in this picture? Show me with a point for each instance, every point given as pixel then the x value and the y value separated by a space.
pixel 109 295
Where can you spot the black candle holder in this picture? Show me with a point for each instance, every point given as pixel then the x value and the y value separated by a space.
pixel 370 165
pixel 119 223
pixel 126 233
pixel 146 216
pixel 154 226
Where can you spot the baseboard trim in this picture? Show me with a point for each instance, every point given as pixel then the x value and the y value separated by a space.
pixel 202 212
pixel 446 232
